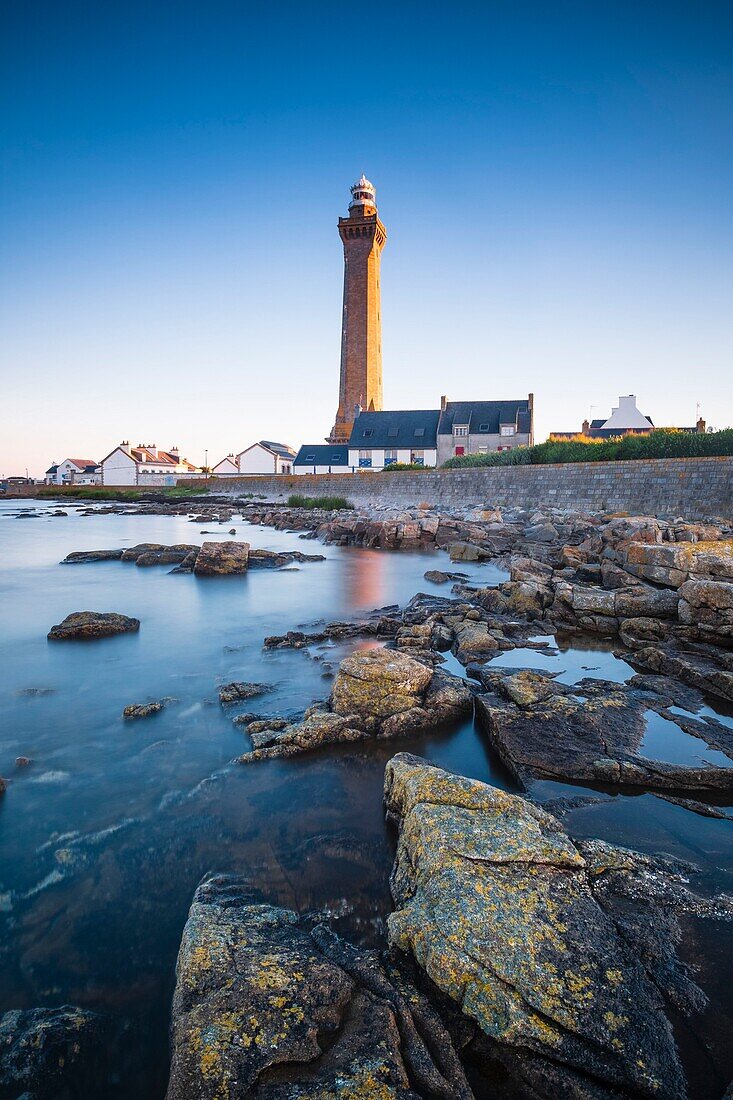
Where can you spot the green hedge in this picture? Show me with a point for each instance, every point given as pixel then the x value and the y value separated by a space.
pixel 414 466
pixel 662 443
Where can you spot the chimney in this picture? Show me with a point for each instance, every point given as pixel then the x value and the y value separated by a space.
pixel 586 427
pixel 700 426
pixel 530 402
pixel 357 411
pixel 174 452
pixel 443 403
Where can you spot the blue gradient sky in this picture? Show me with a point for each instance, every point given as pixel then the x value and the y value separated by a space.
pixel 555 179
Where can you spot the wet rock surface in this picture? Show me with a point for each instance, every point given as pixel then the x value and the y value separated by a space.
pixel 535 937
pixel 93 624
pixel 591 732
pixel 266 1007
pixel 240 690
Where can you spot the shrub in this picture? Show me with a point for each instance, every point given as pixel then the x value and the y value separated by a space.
pixel 661 443
pixel 328 504
pixel 406 466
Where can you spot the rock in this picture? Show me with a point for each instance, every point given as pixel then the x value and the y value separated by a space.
pixel 143 710
pixel 23 761
pixel 81 557
pixel 708 606
pixel 541 532
pixel 593 735
pixel 466 551
pixel 93 624
pixel 53 1053
pixel 3 786
pixel 222 559
pixel 526 687
pixel 232 530
pixel 379 682
pixel 166 555
pixel 437 576
pixel 643 601
pixel 596 600
pixel 239 690
pixel 674 563
pixel 702 667
pixel 268 559
pixel 267 1009
pixel 641 631
pixel 473 641
pixel 501 910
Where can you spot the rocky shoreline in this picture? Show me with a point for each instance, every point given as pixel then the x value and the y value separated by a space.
pixel 517 958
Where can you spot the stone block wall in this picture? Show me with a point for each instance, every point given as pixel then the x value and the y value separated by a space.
pixel 696 488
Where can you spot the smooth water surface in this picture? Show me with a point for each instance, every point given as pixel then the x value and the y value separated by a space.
pixel 104 837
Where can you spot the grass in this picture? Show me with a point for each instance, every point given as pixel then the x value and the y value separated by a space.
pixel 661 443
pixel 328 504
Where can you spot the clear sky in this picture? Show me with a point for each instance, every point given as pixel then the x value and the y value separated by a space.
pixel 555 178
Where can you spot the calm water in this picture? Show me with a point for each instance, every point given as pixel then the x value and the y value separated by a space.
pixel 105 836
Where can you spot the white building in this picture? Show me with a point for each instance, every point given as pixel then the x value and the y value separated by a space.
pixel 73 471
pixel 226 467
pixel 266 457
pixel 144 465
pixel 322 458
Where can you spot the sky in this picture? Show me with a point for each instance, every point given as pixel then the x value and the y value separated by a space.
pixel 555 180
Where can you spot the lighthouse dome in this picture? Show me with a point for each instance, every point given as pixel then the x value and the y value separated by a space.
pixel 363 193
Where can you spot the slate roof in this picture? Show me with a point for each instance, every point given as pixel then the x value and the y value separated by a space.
pixel 484 417
pixel 403 429
pixel 53 469
pixel 280 449
pixel 320 454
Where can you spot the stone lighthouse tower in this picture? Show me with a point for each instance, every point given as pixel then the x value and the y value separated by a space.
pixel 363 237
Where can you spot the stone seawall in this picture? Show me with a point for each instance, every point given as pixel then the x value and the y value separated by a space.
pixel 692 487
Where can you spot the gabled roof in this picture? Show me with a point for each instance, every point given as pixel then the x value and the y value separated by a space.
pixel 485 417
pixel 401 428
pixel 53 469
pixel 321 454
pixel 82 463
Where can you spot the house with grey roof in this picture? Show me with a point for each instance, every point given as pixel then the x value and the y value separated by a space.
pixel 322 458
pixel 380 439
pixel 478 427
pixel 266 457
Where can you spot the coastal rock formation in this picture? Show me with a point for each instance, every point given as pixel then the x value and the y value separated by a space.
pixel 144 710
pixel 592 732
pixel 505 914
pixel 267 1009
pixel 216 559
pixel 93 624
pixel 674 563
pixel 52 1053
pixel 377 693
pixel 81 557
pixel 240 690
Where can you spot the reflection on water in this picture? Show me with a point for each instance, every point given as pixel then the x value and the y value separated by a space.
pixel 664 740
pixel 105 835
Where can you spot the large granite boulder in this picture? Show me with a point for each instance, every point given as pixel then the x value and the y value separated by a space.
pixel 216 559
pixel 377 693
pixel 93 624
pixel 266 1008
pixel 499 907
pixel 379 682
pixel 708 606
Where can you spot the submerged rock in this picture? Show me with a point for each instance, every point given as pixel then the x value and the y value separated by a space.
pixel 501 909
pixel 239 690
pixel 144 710
pixel 53 1053
pixel 81 557
pixel 93 624
pixel 216 559
pixel 264 1008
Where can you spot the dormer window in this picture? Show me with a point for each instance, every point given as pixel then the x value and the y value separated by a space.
pixel 368 433
pixel 483 427
pixel 460 430
pixel 507 429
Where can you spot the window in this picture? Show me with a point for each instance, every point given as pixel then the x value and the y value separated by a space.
pixel 310 458
pixel 419 431
pixel 460 429
pixel 365 458
pixel 393 433
pixel 417 458
pixel 368 433
pixel 337 459
pixel 507 429
pixel 390 457
pixel 483 427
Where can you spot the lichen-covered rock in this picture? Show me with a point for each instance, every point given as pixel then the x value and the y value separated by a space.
pixel 264 1008
pixel 134 711
pixel 54 1054
pixel 704 667
pixel 673 563
pixel 496 903
pixel 379 682
pixel 216 559
pixel 708 606
pixel 93 624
